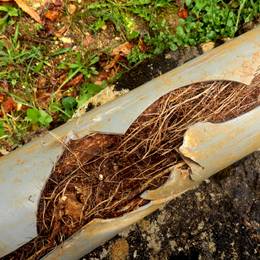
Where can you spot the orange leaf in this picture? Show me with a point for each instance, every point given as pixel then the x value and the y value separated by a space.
pixel 9 105
pixel 183 13
pixel 52 15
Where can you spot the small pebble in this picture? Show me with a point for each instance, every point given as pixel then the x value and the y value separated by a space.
pixel 72 8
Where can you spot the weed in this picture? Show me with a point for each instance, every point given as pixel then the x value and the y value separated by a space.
pixel 69 104
pixel 2 130
pixel 208 20
pixel 87 91
pixel 38 116
pixel 8 12
pixel 12 55
pixel 136 56
pixel 82 64
pixel 138 21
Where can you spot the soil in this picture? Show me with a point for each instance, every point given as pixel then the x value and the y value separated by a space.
pixel 156 66
pixel 219 220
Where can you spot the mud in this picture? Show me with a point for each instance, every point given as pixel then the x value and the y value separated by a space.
pixel 219 220
pixel 156 66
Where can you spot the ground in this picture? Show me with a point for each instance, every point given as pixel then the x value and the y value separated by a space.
pixel 219 220
pixel 41 88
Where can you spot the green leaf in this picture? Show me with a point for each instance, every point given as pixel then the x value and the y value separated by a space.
pixel 10 10
pixel 36 116
pixel 2 130
pixel 173 46
pixel 69 104
pixel 87 91
pixel 60 51
pixel 180 32
pixel 45 119
pixel 37 68
pixel 54 107
pixel 97 25
pixel 33 114
pixel 188 2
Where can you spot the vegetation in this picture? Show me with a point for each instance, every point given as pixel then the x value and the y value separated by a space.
pixel 45 76
pixel 198 21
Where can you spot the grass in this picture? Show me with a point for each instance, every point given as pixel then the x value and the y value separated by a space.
pixel 44 77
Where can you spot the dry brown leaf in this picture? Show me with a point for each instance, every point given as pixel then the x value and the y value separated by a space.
pixel 71 206
pixel 75 81
pixel 29 10
pixel 123 49
pixel 61 31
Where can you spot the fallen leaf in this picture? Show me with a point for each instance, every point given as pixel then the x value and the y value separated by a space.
pixel 43 99
pixel 26 6
pixel 41 82
pixel 52 15
pixel 29 10
pixel 183 13
pixel 61 31
pixel 103 75
pixel 9 105
pixel 75 81
pixel 123 49
pixel 71 206
pixel 113 62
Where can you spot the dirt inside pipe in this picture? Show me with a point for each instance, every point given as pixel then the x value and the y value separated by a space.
pixel 102 176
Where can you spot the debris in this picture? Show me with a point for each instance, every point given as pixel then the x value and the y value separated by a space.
pixel 72 8
pixel 183 13
pixel 75 81
pixel 88 40
pixel 123 49
pixel 207 46
pixel 9 105
pixel 52 15
pixel 70 206
pixel 67 40
pixel 120 250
